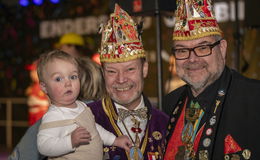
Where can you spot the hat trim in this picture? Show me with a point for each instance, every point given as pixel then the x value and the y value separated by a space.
pixel 205 34
pixel 139 54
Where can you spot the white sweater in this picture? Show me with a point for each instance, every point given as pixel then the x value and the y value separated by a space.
pixel 58 140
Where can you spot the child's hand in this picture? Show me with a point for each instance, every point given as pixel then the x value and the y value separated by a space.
pixel 80 136
pixel 123 142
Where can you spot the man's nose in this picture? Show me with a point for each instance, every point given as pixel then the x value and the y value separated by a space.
pixel 193 56
pixel 121 77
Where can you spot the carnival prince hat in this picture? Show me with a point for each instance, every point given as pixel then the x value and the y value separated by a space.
pixel 195 19
pixel 120 39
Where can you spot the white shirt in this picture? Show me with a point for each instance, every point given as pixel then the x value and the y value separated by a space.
pixel 129 123
pixel 57 141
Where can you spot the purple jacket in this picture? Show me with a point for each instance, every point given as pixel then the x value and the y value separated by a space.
pixel 153 142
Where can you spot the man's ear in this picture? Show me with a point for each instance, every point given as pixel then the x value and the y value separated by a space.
pixel 145 69
pixel 223 48
pixel 43 87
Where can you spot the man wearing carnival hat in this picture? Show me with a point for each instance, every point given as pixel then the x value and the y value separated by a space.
pixel 126 111
pixel 216 115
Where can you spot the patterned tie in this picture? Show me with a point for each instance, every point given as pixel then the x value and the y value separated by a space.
pixel 123 113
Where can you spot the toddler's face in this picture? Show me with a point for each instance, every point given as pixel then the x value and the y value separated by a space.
pixel 61 82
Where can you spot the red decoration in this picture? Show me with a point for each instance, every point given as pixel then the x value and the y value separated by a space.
pixel 37 100
pixel 231 146
pixel 175 140
pixel 137 5
pixel 96 58
pixel 136 130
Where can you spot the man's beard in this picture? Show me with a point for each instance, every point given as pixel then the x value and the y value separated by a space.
pixel 209 78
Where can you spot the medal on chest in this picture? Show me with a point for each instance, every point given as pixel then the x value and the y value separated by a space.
pixel 135 152
pixel 193 117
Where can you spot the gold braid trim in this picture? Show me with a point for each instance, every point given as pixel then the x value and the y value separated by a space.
pixel 191 37
pixel 109 110
pixel 145 140
pixel 139 54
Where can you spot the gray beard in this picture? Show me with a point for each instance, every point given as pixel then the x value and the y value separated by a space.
pixel 197 88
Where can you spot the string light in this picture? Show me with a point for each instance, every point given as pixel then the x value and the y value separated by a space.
pixel 26 3
pixel 37 2
pixel 55 1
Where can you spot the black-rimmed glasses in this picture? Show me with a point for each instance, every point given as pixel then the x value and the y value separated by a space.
pixel 200 51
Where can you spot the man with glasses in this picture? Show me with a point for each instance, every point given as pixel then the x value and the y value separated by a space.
pixel 215 116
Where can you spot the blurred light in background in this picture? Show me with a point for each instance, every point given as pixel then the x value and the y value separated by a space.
pixel 54 1
pixel 37 2
pixel 24 3
pixel 96 58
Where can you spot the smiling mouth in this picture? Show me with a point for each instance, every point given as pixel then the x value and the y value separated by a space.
pixel 121 89
pixel 195 66
pixel 194 69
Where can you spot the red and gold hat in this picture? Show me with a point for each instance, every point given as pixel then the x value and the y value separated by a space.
pixel 195 19
pixel 120 39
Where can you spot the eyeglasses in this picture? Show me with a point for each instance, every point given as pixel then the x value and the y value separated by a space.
pixel 199 51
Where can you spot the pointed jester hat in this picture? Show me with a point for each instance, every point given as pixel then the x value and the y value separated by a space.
pixel 195 19
pixel 120 39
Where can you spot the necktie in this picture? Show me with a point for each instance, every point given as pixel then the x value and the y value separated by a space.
pixel 123 113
